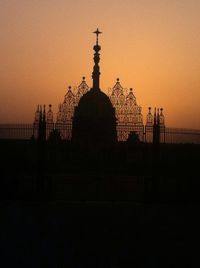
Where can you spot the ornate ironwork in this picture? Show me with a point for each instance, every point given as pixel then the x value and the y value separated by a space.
pixel 66 109
pixel 168 135
pixel 128 113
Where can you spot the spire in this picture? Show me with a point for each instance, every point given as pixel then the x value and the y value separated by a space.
pixel 97 32
pixel 158 117
pixel 162 118
pixel 96 72
pixel 37 115
pixel 50 115
pixel 44 113
pixel 40 119
pixel 155 121
pixel 149 121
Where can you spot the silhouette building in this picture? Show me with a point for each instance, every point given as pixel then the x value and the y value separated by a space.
pixel 89 115
pixel 94 120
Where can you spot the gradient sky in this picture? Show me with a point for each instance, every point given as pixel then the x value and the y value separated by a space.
pixel 151 45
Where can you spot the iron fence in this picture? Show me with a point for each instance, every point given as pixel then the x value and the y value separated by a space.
pixel 182 135
pixel 145 133
pixel 124 130
pixel 16 131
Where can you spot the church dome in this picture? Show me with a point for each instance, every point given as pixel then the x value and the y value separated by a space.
pixel 95 101
pixel 94 121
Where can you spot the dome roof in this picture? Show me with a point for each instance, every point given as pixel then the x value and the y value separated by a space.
pixel 94 119
pixel 95 101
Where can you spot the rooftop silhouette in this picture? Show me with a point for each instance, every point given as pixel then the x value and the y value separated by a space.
pixel 94 120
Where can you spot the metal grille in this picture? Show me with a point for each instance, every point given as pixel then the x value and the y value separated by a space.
pixel 16 131
pixel 124 130
pixel 145 133
pixel 177 135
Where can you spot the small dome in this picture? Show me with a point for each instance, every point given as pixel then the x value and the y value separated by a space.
pixel 96 100
pixel 94 119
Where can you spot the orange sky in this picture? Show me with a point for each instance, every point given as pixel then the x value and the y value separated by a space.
pixel 151 45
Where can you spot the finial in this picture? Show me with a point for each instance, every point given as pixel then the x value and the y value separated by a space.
pixel 40 119
pixel 158 116
pixel 69 87
pixel 155 110
pixel 50 107
pixel 44 113
pixel 97 32
pixel 117 79
pixel 131 89
pixel 83 78
pixel 60 106
pixel 155 115
pixel 96 70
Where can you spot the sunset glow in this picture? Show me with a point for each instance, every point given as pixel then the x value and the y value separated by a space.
pixel 152 46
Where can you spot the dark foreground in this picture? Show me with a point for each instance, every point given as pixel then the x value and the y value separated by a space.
pixel 99 234
pixel 100 213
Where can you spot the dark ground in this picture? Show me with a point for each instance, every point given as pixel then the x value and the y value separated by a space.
pixel 99 211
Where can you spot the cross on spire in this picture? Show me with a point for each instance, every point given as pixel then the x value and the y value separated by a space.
pixel 97 32
pixel 96 70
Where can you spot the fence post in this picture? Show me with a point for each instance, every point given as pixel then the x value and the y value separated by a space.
pixel 41 151
pixel 156 156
